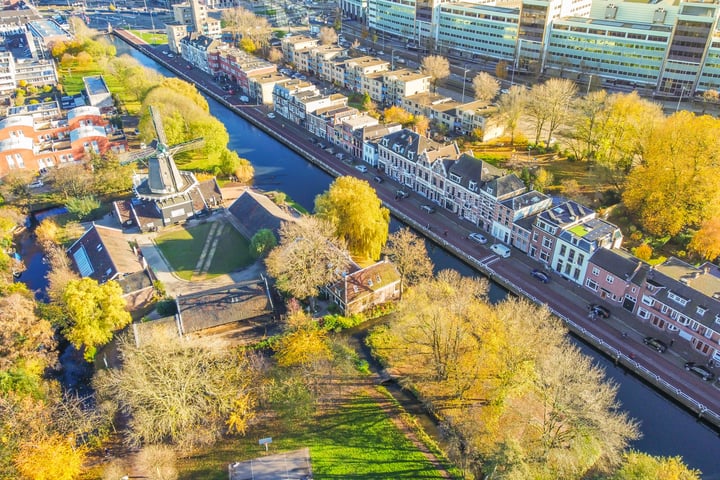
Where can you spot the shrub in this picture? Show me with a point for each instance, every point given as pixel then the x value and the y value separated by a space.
pixel 166 307
pixel 262 242
pixel 82 207
pixel 338 322
pixel 643 252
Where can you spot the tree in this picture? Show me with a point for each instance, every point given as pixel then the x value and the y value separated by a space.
pixel 25 339
pixel 158 461
pixel 307 257
pixel 581 137
pixel 421 124
pixel 643 252
pixel 275 55
pixel 177 392
pixel 354 209
pixel 548 104
pixel 677 184
pixel 243 23
pixel 407 251
pixel 72 180
pixel 262 242
pixel 397 114
pixel 501 70
pixel 641 466
pixel 486 87
pixel 110 176
pixel 510 108
pixel 706 241
pixel 60 273
pixel 95 312
pixel 437 67
pixel 327 36
pixel 52 457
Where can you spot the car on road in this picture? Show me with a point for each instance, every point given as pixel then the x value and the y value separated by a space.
pixel 378 179
pixel 361 168
pixel 700 371
pixel 401 194
pixel 598 311
pixel 657 345
pixel 36 184
pixel 478 237
pixel 500 249
pixel 427 208
pixel 271 115
pixel 170 55
pixel 244 99
pixel 540 275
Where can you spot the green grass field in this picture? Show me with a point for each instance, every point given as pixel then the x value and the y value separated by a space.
pixel 356 442
pixel 182 249
pixel 151 38
pixel 71 78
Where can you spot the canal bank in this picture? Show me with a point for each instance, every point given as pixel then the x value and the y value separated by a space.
pixel 667 429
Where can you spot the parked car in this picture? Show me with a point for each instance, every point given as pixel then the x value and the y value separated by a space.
pixel 36 184
pixel 655 344
pixel 378 179
pixel 478 237
pixel 244 99
pixel 271 115
pixel 540 275
pixel 500 249
pixel 361 168
pixel 427 208
pixel 402 194
pixel 700 371
pixel 599 310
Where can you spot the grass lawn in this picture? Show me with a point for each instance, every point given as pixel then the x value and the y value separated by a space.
pixel 182 248
pixel 151 38
pixel 357 441
pixel 71 78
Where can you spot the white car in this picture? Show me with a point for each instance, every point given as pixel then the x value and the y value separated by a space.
pixel 479 238
pixel 501 250
pixel 271 115
pixel 361 168
pixel 244 99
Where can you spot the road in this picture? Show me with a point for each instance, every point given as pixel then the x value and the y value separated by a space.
pixel 622 333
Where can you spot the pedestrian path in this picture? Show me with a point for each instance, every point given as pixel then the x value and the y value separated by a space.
pixel 208 251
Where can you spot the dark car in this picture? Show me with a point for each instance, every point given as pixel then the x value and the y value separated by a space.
pixel 599 310
pixel 540 275
pixel 655 344
pixel 700 371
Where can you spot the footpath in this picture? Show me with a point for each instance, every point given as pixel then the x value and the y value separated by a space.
pixel 620 337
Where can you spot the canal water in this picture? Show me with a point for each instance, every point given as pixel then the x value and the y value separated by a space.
pixel 667 429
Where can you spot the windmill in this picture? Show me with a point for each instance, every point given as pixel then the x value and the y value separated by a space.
pixel 160 146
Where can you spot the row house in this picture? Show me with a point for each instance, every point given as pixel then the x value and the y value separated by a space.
pixel 304 103
pixel 318 121
pixel 285 90
pixel 398 84
pixel 507 225
pixel 372 84
pixel 417 162
pixel 291 45
pixel 548 225
pixel 345 133
pixel 475 187
pixel 356 69
pixel 422 103
pixel 261 86
pixel 370 137
pixel 675 297
pixel 196 50
pixel 313 60
pixel 32 143
pixel 237 66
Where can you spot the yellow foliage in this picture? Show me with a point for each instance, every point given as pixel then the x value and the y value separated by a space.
pixel 52 458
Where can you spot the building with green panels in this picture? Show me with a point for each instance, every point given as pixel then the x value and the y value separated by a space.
pixel 710 74
pixel 474 30
pixel 394 17
pixel 611 49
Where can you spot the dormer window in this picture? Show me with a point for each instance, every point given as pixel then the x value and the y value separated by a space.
pixel 701 310
pixel 455 178
pixel 677 298
pixel 370 282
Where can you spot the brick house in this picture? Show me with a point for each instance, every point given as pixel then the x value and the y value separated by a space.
pixel 361 289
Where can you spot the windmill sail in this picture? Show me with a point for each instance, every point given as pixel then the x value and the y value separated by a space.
pixel 159 129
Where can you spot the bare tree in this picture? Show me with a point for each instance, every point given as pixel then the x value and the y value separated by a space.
pixel 158 462
pixel 410 256
pixel 243 23
pixel 486 86
pixel 437 67
pixel 548 105
pixel 307 257
pixel 275 55
pixel 327 36
pixel 510 108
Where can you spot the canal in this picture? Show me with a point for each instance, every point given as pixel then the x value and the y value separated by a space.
pixel 667 429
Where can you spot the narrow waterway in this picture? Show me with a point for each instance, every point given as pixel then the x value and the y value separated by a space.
pixel 667 429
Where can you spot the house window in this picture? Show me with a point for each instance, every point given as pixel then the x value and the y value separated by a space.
pixel 701 310
pixel 580 259
pixel 591 285
pixel 563 250
pixel 547 243
pixel 610 279
pixel 677 298
pixel 642 313
pixel 534 237
pixel 664 309
pixel 649 301
pixel 595 271
pixel 545 256
pixel 682 319
pixel 19 160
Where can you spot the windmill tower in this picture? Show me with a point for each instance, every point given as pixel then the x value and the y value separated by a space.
pixel 165 191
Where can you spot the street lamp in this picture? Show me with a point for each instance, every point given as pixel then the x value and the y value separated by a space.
pixel 680 99
pixel 465 70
